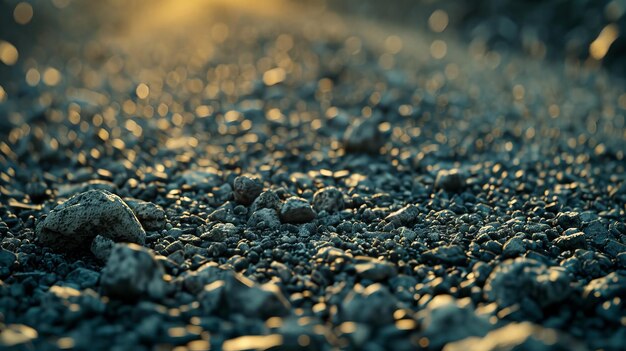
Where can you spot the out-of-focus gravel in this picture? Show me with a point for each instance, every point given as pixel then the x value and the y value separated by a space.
pixel 296 179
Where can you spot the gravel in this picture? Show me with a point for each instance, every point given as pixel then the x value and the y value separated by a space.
pixel 236 178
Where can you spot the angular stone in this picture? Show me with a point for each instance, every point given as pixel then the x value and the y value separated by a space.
pixel 131 273
pixel 328 199
pixel 151 216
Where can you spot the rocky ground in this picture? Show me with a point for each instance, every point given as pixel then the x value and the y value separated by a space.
pixel 267 177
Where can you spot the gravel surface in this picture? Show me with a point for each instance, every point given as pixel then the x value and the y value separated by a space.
pixel 264 176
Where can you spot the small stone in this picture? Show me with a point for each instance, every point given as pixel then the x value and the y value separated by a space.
pixel 73 224
pixel 364 136
pixel 220 232
pixel 524 280
pixel 246 189
pixel 450 255
pixel 83 277
pixel 296 210
pixel 456 317
pixel 571 242
pixel 404 216
pixel 614 248
pixel 450 180
pixel 568 220
pixel 513 247
pixel 373 269
pixel 372 305
pixel 101 247
pixel 328 199
pixel 597 232
pixel 7 258
pixel 151 216
pixel 265 218
pixel 267 199
pixel 235 293
pixel 132 272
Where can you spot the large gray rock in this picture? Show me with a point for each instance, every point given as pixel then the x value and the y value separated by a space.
pixel 445 319
pixel 517 337
pixel 132 272
pixel 75 223
pixel 404 216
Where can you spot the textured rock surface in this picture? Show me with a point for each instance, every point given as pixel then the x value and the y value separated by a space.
pixel 73 224
pixel 296 210
pixel 151 216
pixel 132 272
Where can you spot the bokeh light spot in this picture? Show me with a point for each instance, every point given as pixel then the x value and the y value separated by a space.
pixel 23 13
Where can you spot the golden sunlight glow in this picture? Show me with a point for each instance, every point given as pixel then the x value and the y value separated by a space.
pixel 23 13
pixel 600 47
pixel 8 53
pixel 438 21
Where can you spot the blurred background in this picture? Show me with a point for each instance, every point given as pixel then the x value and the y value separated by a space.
pixel 575 30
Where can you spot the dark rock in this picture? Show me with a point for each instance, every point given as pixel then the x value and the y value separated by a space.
pixel 267 199
pixel 7 258
pixel 296 210
pixel 450 255
pixel 265 218
pixel 446 319
pixel 522 280
pixel 571 241
pixel 328 199
pixel 614 248
pixel 364 136
pixel 451 180
pixel 246 189
pixel 131 273
pixel 513 247
pixel 568 220
pixel 372 305
pixel 404 216
pixel 374 270
pixel 151 216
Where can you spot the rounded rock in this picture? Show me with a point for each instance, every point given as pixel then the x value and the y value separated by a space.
pixel 329 199
pixel 246 189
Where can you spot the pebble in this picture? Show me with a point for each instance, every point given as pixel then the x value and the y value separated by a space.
pixel 446 319
pixel 374 270
pixel 265 218
pixel 372 305
pixel 450 255
pixel 73 224
pixel 297 210
pixel 524 281
pixel 151 216
pixel 267 199
pixel 451 180
pixel 246 189
pixel 513 247
pixel 571 241
pixel 363 136
pixel 235 293
pixel 328 199
pixel 7 258
pixel 132 272
pixel 404 216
